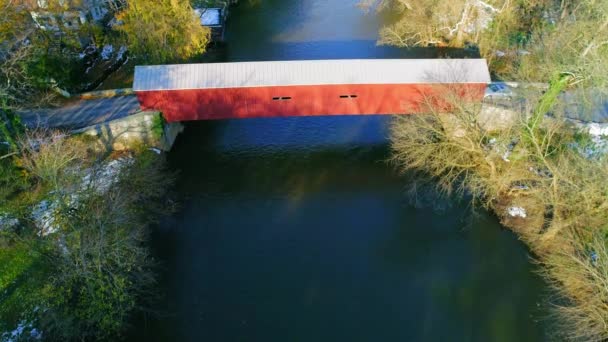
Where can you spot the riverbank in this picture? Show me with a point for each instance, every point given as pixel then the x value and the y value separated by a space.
pixel 74 223
pixel 543 179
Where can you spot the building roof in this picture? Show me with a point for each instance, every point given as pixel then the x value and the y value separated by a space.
pixel 310 72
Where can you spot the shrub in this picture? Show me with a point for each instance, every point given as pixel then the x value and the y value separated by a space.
pixel 51 156
pixel 158 127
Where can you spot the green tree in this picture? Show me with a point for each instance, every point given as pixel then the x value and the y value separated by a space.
pixel 163 30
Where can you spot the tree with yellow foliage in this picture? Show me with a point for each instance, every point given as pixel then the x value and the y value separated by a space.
pixel 163 30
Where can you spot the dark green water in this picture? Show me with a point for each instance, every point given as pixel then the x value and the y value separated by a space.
pixel 298 230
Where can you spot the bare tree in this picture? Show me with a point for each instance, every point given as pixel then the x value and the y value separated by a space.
pixel 51 157
pixel 438 23
pixel 460 153
pixel 15 82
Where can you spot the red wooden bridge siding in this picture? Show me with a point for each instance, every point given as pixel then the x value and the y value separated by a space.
pixel 253 102
pixel 304 88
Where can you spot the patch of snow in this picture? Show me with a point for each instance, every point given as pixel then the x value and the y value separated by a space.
pixel 102 178
pixel 599 138
pixel 155 150
pixel 517 212
pixel 23 330
pixel 499 53
pixel 596 129
pixel 99 180
pixel 106 52
pixel 43 215
pixel 19 330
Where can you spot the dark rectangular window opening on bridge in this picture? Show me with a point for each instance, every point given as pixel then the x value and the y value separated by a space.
pixel 348 96
pixel 277 98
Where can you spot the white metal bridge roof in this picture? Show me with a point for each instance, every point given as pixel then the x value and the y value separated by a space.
pixel 309 72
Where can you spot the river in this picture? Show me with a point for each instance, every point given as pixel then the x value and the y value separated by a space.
pixel 297 229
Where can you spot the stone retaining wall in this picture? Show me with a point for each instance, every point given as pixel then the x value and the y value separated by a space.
pixel 133 130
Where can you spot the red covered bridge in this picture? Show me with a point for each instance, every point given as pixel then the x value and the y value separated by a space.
pixel 303 88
